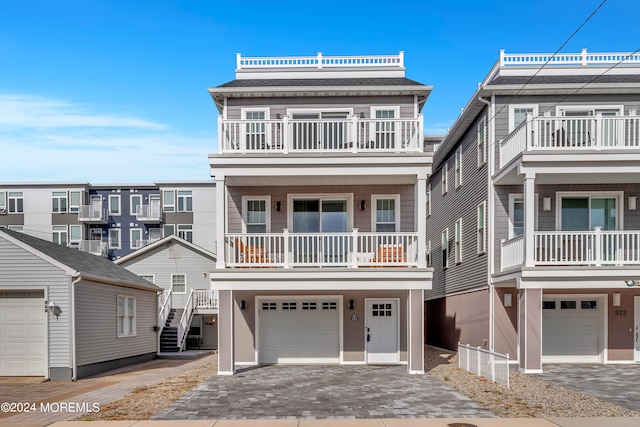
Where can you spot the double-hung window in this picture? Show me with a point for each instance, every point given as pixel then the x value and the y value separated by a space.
pixel 179 283
pixel 126 316
pixel 185 201
pixel 59 201
pixel 386 216
pixel 114 238
pixel 75 201
pixel 428 199
pixel 16 202
pixel 3 202
pixel 256 214
pixel 135 235
pixel 482 141
pixel 518 114
pixel 458 241
pixel 168 201
pixel 445 248
pixel 135 204
pixel 458 167
pixel 482 228
pixel 75 233
pixel 256 131
pixel 445 178
pixel 384 127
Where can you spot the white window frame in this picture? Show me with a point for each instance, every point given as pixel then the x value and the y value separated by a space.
pixel 132 211
pixel 374 209
pixel 444 178
pixel 457 238
pixel 75 207
pixel 482 141
pixel 129 319
pixel 3 202
pixel 17 196
pixel 148 277
pixel 62 233
pixel 512 199
pixel 618 195
pixel 348 197
pixel 514 107
pixel 481 234
pixel 132 242
pixel 185 230
pixel 429 199
pixel 445 248
pixel 245 131
pixel 59 196
pixel 185 200
pixel 110 242
pixel 173 283
pixel 428 253
pixel 561 109
pixel 458 167
pixel 169 207
pixel 245 211
pixel 75 226
pixel 319 111
pixel 396 125
pixel 110 199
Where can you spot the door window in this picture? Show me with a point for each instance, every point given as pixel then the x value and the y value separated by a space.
pixel 586 213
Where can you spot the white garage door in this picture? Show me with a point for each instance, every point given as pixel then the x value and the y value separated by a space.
pixel 22 334
pixel 571 329
pixel 299 331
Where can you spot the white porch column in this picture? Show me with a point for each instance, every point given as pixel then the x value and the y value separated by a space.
pixel 415 332
pixel 529 219
pixel 530 330
pixel 221 215
pixel 421 213
pixel 226 333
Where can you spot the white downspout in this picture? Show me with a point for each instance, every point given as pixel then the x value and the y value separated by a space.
pixel 72 317
pixel 489 217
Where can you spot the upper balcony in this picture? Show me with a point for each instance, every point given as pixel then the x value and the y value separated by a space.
pixel 93 214
pixel 149 214
pixel 95 247
pixel 551 136
pixel 340 135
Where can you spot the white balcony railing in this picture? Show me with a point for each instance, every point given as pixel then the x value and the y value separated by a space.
pixel 95 247
pixel 585 248
pixel 571 133
pixel 319 61
pixel 354 135
pixel 92 213
pixel 149 213
pixel 205 298
pixel 350 250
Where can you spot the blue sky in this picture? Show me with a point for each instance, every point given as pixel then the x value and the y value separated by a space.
pixel 116 91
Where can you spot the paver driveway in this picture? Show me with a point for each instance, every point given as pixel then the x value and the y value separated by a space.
pixel 613 383
pixel 280 391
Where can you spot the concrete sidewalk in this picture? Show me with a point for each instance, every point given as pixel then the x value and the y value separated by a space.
pixel 405 422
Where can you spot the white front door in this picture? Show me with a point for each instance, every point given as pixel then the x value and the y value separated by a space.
pixel 382 331
pixel 636 330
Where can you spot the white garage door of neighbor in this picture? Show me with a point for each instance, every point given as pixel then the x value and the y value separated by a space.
pixel 299 331
pixel 571 329
pixel 22 334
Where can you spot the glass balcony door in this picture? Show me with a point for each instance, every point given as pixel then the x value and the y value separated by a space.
pixel 316 227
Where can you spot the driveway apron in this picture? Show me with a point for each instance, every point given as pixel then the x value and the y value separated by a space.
pixel 323 392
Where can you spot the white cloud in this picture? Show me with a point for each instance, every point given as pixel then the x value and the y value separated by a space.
pixel 51 140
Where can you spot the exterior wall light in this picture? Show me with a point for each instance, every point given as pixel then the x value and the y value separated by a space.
pixel 362 205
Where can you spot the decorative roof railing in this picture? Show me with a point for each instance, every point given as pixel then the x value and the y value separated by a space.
pixel 319 61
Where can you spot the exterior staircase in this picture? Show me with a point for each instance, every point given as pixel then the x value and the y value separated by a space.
pixel 169 335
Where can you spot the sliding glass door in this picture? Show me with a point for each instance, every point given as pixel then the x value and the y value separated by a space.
pixel 316 224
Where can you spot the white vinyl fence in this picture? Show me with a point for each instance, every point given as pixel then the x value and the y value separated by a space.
pixel 489 364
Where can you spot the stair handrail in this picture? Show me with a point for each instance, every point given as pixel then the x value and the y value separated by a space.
pixel 165 307
pixel 185 320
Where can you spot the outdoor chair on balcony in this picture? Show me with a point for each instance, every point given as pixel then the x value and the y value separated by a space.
pixel 389 255
pixel 251 254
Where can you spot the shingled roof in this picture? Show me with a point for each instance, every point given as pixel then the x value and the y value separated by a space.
pixel 82 262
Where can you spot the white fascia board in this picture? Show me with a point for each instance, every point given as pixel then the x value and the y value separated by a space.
pixel 563 88
pixel 306 73
pixel 314 279
pixel 577 277
pixel 279 91
pixel 350 161
pixel 557 70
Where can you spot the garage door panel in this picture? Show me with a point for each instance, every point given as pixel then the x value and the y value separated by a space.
pixel 307 334
pixel 22 334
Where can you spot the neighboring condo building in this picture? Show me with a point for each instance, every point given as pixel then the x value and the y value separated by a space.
pixel 532 215
pixel 111 220
pixel 321 182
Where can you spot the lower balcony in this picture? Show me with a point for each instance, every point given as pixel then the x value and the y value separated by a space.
pixel 94 247
pixel 319 250
pixel 575 248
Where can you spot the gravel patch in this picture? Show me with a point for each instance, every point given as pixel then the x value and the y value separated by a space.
pixel 527 397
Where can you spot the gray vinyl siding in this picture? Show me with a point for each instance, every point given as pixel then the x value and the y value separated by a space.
pixel 22 270
pixel 175 258
pixel 361 219
pixel 96 333
pixel 446 209
pixel 359 105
